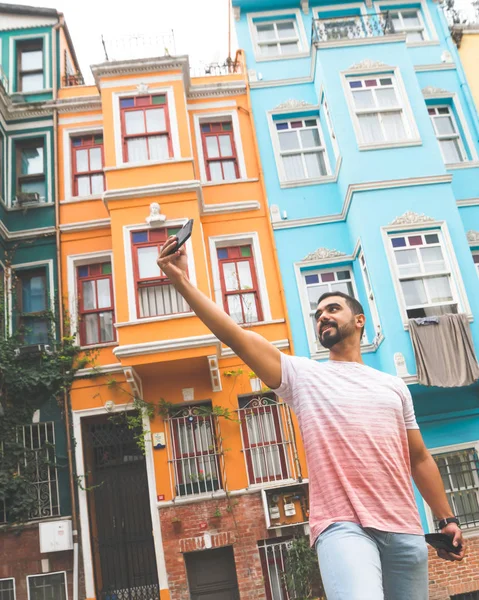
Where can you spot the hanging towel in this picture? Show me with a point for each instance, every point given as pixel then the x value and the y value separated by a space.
pixel 444 352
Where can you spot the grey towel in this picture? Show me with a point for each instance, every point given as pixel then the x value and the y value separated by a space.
pixel 445 354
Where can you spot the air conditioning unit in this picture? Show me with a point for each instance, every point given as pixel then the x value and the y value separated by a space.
pixel 27 197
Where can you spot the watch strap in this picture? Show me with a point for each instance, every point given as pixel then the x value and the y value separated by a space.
pixel 444 522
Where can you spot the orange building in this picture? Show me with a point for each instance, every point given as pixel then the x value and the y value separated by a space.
pixel 210 503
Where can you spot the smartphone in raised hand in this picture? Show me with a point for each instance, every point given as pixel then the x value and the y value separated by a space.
pixel 182 236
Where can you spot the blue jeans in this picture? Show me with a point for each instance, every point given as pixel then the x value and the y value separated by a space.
pixel 359 563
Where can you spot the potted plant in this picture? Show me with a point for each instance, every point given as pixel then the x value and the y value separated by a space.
pixel 255 382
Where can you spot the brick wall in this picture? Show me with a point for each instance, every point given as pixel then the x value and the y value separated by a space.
pixel 447 578
pixel 20 556
pixel 241 527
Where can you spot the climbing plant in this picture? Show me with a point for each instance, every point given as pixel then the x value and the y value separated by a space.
pixel 301 575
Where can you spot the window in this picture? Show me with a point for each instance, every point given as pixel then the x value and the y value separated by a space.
pixel 219 151
pixel 320 282
pixel 30 170
pixel 273 555
pixel 30 76
pixel 7 589
pixel 370 294
pixel 196 455
pixel 156 296
pixel 32 305
pixel 87 161
pixel 424 274
pixel 277 38
pixel 239 283
pixel 146 128
pixel 266 443
pixel 95 294
pixel 301 148
pixel 50 585
pixel 447 133
pixel 37 465
pixel 475 258
pixel 460 475
pixel 409 21
pixel 378 110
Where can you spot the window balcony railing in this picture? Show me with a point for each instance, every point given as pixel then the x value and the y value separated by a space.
pixel 72 79
pixel 353 27
pixel 3 80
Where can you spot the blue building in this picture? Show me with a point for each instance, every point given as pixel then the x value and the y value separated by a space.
pixel 368 137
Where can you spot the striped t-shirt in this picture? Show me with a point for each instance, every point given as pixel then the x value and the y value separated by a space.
pixel 353 421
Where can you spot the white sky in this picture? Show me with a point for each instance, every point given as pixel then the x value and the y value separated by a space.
pixel 200 26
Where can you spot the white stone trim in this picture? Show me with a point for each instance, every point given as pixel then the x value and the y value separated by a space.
pixel 130 279
pixel 198 341
pixel 435 67
pixel 68 133
pixel 237 140
pixel 12 46
pixel 46 575
pixel 83 501
pixel 410 126
pixel 194 106
pixel 77 120
pixel 473 444
pixel 77 260
pixel 295 13
pixel 231 207
pixel 339 7
pixel 48 161
pixel 85 225
pixel 117 131
pixel 431 226
pixel 280 344
pixel 222 241
pixel 148 79
pixel 425 14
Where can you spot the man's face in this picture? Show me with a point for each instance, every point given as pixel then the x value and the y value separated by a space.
pixel 335 321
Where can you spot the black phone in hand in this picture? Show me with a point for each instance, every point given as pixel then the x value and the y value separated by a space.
pixel 442 541
pixel 182 236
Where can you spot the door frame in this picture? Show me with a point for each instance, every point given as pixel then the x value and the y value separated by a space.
pixel 78 415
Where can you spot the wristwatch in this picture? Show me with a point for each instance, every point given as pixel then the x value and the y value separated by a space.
pixel 444 522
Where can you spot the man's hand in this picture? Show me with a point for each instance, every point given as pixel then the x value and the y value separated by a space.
pixel 175 265
pixel 453 531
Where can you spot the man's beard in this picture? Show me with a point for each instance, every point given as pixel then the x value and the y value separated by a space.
pixel 335 334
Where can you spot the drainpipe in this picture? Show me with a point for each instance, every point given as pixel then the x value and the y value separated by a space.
pixel 66 407
pixel 460 71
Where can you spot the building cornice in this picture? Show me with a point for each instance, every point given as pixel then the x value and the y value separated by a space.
pixel 361 187
pixel 160 189
pixel 199 341
pixel 141 65
pixel 216 90
pixel 80 104
pixel 435 67
pixel 85 225
pixel 25 233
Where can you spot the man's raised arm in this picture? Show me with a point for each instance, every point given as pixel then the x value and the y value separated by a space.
pixel 259 354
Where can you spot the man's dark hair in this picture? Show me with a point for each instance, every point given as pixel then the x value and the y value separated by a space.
pixel 355 306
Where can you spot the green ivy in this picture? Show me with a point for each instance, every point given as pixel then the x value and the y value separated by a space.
pixel 301 575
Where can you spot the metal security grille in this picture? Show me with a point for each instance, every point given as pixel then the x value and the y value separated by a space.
pixel 38 467
pixel 273 562
pixel 46 587
pixel 267 438
pixel 120 522
pixel 467 596
pixel 196 457
pixel 7 589
pixel 460 475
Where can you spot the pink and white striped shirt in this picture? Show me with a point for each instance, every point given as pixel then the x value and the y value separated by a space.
pixel 353 421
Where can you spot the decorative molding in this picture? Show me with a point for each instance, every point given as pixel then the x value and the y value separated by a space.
pixel 367 63
pixel 199 341
pixel 412 218
pixel 435 67
pixel 216 90
pixel 435 91
pixel 322 254
pixel 231 207
pixel 446 57
pixel 473 237
pixel 85 225
pixel 155 218
pixel 236 13
pixel 293 104
pixel 134 381
pixel 142 88
pixel 400 364
pixel 214 373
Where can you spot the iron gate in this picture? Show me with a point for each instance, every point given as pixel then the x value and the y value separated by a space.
pixel 120 519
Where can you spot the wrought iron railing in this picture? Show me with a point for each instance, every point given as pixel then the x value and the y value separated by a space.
pixel 229 67
pixel 3 79
pixel 72 79
pixel 159 300
pixel 352 27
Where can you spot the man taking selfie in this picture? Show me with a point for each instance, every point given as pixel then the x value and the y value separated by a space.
pixel 362 445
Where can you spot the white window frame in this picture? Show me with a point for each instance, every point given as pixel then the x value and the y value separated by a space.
pixel 68 134
pixel 457 284
pixel 131 288
pixel 421 28
pixel 476 253
pixel 219 117
pixel 456 135
pixel 269 17
pixel 14 586
pixel 11 185
pixel 46 575
pixel 47 82
pixel 370 294
pixel 315 349
pixel 445 450
pixel 412 134
pixel 73 262
pixel 251 239
pixel 118 132
pixel 430 33
pixel 329 125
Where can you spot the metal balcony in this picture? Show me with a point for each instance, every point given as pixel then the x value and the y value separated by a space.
pixel 354 27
